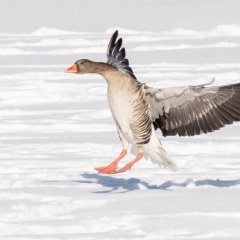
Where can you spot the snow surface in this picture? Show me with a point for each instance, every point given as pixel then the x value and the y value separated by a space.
pixel 56 127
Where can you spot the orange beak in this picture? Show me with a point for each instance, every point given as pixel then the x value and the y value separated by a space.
pixel 72 69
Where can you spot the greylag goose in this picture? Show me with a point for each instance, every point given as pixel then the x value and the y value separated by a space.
pixel 139 110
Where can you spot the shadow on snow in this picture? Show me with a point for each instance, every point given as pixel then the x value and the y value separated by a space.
pixel 120 184
pixel 126 185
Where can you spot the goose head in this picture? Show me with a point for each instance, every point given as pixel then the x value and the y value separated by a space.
pixel 82 66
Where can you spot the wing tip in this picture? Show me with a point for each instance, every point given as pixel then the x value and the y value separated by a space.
pixel 116 55
pixel 115 35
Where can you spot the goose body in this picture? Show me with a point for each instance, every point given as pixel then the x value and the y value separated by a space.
pixel 138 110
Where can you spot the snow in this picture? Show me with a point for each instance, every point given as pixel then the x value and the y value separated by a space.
pixel 223 30
pixel 56 127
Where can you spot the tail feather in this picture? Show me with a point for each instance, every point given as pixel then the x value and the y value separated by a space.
pixel 155 151
pixel 159 156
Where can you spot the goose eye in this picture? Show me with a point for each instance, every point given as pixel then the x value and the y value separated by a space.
pixel 81 63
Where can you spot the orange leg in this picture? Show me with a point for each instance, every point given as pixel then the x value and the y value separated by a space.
pixel 130 164
pixel 112 167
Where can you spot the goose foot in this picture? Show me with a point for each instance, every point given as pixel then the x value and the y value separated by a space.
pixel 112 167
pixel 125 168
pixel 130 164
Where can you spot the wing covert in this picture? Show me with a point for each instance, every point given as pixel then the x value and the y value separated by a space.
pixel 189 111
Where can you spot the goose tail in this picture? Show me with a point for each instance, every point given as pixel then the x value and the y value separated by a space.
pixel 160 157
pixel 157 154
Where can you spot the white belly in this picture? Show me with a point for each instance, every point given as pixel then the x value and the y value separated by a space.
pixel 122 113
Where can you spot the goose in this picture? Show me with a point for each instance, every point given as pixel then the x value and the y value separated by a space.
pixel 139 110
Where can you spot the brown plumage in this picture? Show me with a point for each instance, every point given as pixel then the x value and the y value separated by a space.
pixel 139 110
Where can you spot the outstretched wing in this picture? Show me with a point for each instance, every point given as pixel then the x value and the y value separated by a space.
pixel 116 55
pixel 189 111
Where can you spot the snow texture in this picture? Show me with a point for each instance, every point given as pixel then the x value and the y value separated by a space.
pixel 56 127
